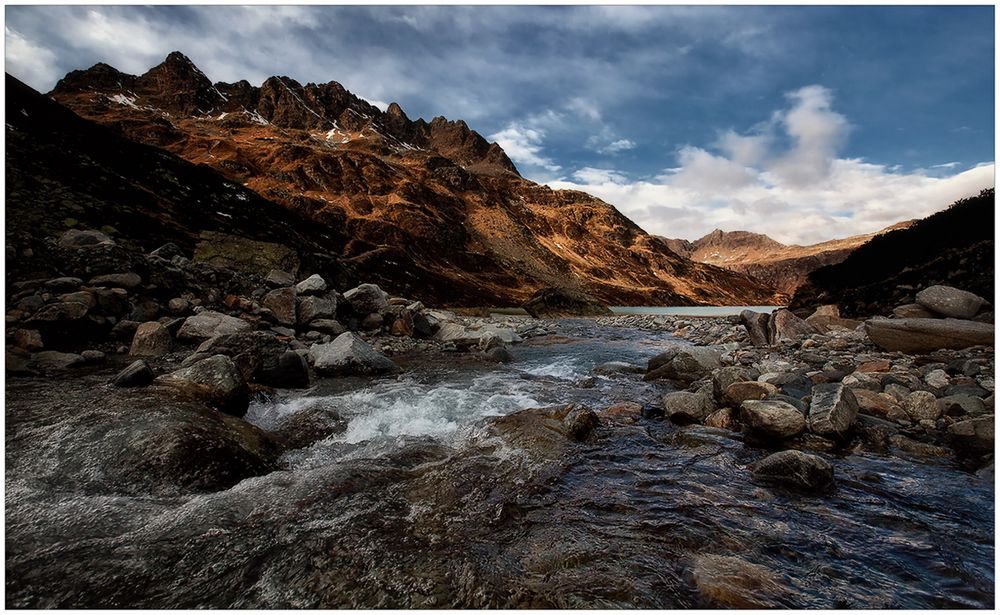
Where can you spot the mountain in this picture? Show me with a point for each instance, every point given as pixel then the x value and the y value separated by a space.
pixel 429 209
pixel 780 266
pixel 953 247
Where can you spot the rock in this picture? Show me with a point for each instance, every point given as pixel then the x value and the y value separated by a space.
pixel 28 339
pixel 245 255
pixel 772 419
pixel 422 327
pixel 167 252
pixel 555 302
pixel 915 447
pixel 489 340
pixel 961 405
pixel 618 367
pixel 77 239
pixel 794 469
pixel 255 353
pixel 825 324
pixel 625 409
pixel 367 299
pixel 875 403
pixel 215 380
pixel 833 410
pixel 372 322
pixel 278 279
pixel 783 325
pixel 546 432
pixel 350 355
pixel 721 419
pixel 499 355
pixel 151 340
pixel 125 329
pixel 739 392
pixel 62 285
pixel 683 365
pixel 915 335
pixel 756 324
pixel 328 326
pixel 313 285
pixel 85 297
pixel 117 280
pixel 726 581
pixel 281 302
pixel 972 436
pixel 685 407
pixel 209 324
pixel 725 376
pixel 53 361
pixel 880 366
pixel 59 313
pixel 138 374
pixel 402 326
pixel 312 308
pixel 290 372
pixel 178 305
pixel 922 405
pixel 950 302
pixel 937 378
pixel 913 310
pixel 456 334
pixel 874 430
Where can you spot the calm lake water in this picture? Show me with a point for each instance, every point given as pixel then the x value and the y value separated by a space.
pixel 694 310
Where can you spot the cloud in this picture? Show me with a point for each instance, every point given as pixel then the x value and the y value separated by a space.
pixel 28 60
pixel 801 192
pixel 523 145
pixel 614 147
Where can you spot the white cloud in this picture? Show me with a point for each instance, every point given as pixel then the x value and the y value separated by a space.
pixel 27 60
pixel 523 145
pixel 817 132
pixel 592 176
pixel 614 147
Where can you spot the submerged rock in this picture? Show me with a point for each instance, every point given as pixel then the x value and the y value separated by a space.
pixel 683 365
pixel 972 436
pixel 546 431
pixel 686 407
pixel 794 469
pixel 215 380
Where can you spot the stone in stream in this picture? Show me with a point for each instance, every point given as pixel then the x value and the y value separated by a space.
pixel 772 419
pixel 794 469
pixel 950 302
pixel 52 361
pixel 833 410
pixel 683 365
pixel 151 340
pixel 351 356
pixel 685 407
pixel 209 324
pixel 291 371
pixel 138 374
pixel 215 380
pixel 727 581
pixel 739 392
pixel 915 335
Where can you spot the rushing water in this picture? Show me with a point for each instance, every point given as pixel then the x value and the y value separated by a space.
pixel 416 501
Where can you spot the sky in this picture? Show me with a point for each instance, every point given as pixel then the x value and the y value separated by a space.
pixel 804 123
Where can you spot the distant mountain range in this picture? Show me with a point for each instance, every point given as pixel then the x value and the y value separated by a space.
pixel 426 209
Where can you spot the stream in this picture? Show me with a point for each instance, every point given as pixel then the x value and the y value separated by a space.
pixel 416 497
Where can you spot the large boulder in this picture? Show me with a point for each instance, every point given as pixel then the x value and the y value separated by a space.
pixel 457 334
pixel 833 410
pixel 950 302
pixel 367 299
pixel 783 325
pixel 772 418
pixel 151 340
pixel 555 302
pixel 546 432
pixel 246 255
pixel 257 354
pixel 794 469
pixel 756 324
pixel 349 355
pixel 684 365
pixel 215 380
pixel 915 335
pixel 281 302
pixel 208 324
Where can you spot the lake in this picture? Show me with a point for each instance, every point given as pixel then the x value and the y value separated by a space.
pixel 694 310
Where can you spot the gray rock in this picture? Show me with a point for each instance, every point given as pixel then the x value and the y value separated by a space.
pixel 92 356
pixel 151 340
pixel 76 239
pixel 208 324
pixel 794 469
pixel 783 325
pixel 281 302
pixel 312 285
pixel 683 365
pixel 725 376
pixel 277 278
pixel 961 405
pixel 618 367
pixel 756 324
pixel 833 410
pixel 913 310
pixel 915 335
pixel 950 302
pixel 499 355
pixel 350 355
pixel 457 334
pixel 327 325
pixel 62 285
pixel 772 419
pixel 686 407
pixel 972 436
pixel 312 308
pixel 216 381
pixel 367 299
pixel 138 374
pixel 117 280
pixel 922 406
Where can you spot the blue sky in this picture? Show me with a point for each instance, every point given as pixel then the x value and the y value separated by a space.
pixel 685 118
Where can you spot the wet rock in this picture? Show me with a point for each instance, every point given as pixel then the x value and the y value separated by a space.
pixel 76 239
pixel 961 405
pixel 913 310
pixel 151 340
pixel 281 302
pixel 547 431
pixel 794 469
pixel 117 280
pixel 53 361
pixel 255 353
pixel 921 406
pixel 489 340
pixel 554 302
pixel 726 581
pixel 279 279
pixel 618 367
pixel 772 419
pixel 725 376
pixel 138 374
pixel 950 302
pixel 683 365
pixel 291 371
pixel 28 339
pixel 215 380
pixel 972 436
pixel 684 407
pixel 310 425
pixel 875 403
pixel 724 418
pixel 739 392
pixel 833 410
pixel 627 410
pixel 350 355
pixel 313 285
pixel 917 448
pixel 209 324
pixel 914 335
pixel 875 431
pixel 499 355
pixel 367 299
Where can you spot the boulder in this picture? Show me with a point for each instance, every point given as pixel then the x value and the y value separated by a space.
pixel 618 367
pixel 55 313
pixel 402 326
pixel 290 372
pixel 546 431
pixel 950 302
pixel 794 469
pixel 372 322
pixel 138 374
pixel 367 299
pixel 725 376
pixel 313 285
pixel 328 326
pixel 784 325
pixel 209 324
pixel 685 407
pixel 457 334
pixel 76 239
pixel 827 318
pixel 53 361
pixel 151 340
pixel 722 418
pixel 281 302
pixel 255 353
pixel 28 339
pixel 117 280
pixel 833 410
pixel 756 324
pixel 961 405
pixel 739 392
pixel 556 302
pixel 922 406
pixel 875 403
pixel 972 436
pixel 916 335
pixel 178 305
pixel 913 310
pixel 349 355
pixel 772 418
pixel 246 255
pixel 498 355
pixel 684 365
pixel 215 380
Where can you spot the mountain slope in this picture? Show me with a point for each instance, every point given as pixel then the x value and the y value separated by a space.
pixel 429 207
pixel 952 247
pixel 780 266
